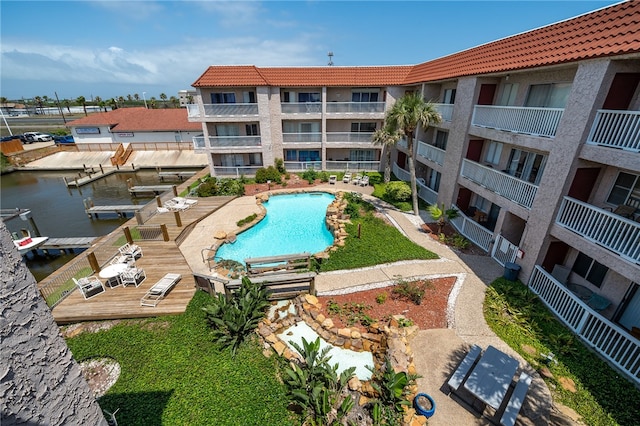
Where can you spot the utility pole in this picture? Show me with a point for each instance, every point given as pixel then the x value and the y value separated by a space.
pixel 60 108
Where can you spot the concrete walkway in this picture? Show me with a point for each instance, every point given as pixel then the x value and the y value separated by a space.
pixel 436 352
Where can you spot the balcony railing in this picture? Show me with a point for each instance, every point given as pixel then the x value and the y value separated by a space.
pixel 606 338
pixel 431 153
pixel 355 107
pixel 236 171
pixel 301 107
pixel 301 137
pixel 222 110
pixel 342 137
pixel 227 142
pixel 507 186
pixel 613 232
pixel 353 165
pixel 445 110
pixel 193 110
pixel 424 192
pixel 526 120
pixel 616 129
pixel 472 230
pixel 303 165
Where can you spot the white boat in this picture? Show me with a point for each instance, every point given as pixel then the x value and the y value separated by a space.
pixel 28 243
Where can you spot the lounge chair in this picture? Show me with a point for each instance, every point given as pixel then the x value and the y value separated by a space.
pixel 89 286
pixel 333 179
pixel 184 201
pixel 133 276
pixel 159 290
pixel 356 180
pixel 346 178
pixel 364 181
pixel 132 251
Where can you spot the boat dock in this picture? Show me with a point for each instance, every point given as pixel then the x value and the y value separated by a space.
pixel 68 243
pixel 149 189
pixel 91 176
pixel 180 175
pixel 120 210
pixel 8 214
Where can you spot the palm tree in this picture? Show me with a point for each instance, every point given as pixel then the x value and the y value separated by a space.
pixel 442 215
pixel 163 97
pixel 67 103
pixel 174 101
pixel 136 96
pixel 388 140
pixel 409 112
pixel 152 102
pixel 80 100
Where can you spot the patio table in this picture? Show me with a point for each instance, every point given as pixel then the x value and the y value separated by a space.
pixel 112 273
pixel 491 377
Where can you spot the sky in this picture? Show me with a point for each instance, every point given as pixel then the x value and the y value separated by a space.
pixel 112 48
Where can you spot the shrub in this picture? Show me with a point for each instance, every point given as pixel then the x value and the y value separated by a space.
pixel 310 175
pixel 279 163
pixel 392 389
pixel 381 298
pixel 411 290
pixel 246 220
pixel 324 176
pixel 213 186
pixel 398 191
pixel 270 173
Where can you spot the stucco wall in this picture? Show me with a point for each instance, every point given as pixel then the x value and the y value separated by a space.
pixel 40 382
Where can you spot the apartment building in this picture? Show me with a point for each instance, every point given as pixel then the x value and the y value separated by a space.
pixel 539 149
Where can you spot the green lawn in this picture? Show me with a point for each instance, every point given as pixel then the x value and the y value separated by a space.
pixel 172 374
pixel 518 317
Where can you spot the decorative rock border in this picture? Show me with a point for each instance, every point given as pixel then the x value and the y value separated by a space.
pixel 381 339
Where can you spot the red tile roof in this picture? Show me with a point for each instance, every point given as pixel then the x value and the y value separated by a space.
pixel 141 120
pixel 614 30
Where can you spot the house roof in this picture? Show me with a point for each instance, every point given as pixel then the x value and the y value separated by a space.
pixel 610 31
pixel 140 120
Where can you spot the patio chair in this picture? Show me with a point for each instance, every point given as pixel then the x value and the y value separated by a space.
pixel 133 276
pixel 346 178
pixel 356 180
pixel 159 290
pixel 89 286
pixel 598 303
pixel 333 179
pixel 364 181
pixel 131 250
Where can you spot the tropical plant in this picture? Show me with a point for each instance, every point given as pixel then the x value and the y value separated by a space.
pixel 392 388
pixel 279 163
pixel 397 191
pixel 315 386
pixel 388 139
pixel 442 215
pixel 270 173
pixel 233 320
pixel 404 117
pixel 80 100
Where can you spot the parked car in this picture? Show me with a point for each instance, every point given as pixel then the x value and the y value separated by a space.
pixel 64 139
pixel 31 137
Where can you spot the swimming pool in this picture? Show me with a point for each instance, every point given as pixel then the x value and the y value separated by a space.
pixel 295 223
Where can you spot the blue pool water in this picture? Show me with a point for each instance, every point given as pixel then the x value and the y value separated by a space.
pixel 295 223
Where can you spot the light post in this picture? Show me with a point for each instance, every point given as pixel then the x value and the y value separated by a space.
pixel 144 99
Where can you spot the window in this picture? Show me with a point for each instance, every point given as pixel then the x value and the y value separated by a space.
pixel 626 185
pixel 482 204
pixel 441 139
pixel 251 129
pixel 589 269
pixel 363 127
pixel 508 95
pixel 298 127
pixel 449 96
pixel 223 98
pixel 309 97
pixel 361 155
pixel 227 130
pixel 526 165
pixel 301 155
pixel 249 97
pixel 433 180
pixel 548 95
pixel 290 155
pixel 364 96
pixel 494 151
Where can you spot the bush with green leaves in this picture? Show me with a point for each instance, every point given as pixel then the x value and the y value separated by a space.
pixel 233 320
pixel 279 163
pixel 392 389
pixel 398 191
pixel 410 290
pixel 315 386
pixel 269 174
pixel 310 175
pixel 213 186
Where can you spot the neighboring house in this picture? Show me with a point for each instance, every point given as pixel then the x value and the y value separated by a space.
pixel 186 97
pixel 538 147
pixel 135 125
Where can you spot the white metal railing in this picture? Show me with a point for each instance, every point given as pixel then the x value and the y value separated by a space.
pixel 527 120
pixel 353 165
pixel 402 143
pixel 503 250
pixel 342 137
pixel 355 107
pixel 472 230
pixel 431 153
pixel 303 165
pixel 610 341
pixel 424 192
pixel 401 173
pixel 301 107
pixel 301 137
pixel 228 141
pixel 230 109
pixel 445 110
pixel 199 142
pixel 236 171
pixel 503 184
pixel 616 129
pixel 613 232
pixel 193 110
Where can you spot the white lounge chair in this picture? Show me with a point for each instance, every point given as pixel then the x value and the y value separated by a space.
pixel 89 286
pixel 333 179
pixel 131 250
pixel 159 290
pixel 356 180
pixel 346 178
pixel 364 181
pixel 185 201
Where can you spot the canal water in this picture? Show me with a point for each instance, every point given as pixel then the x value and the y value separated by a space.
pixel 58 211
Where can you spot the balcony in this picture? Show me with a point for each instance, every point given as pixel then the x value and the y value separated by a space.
pixel 349 137
pixel 353 166
pixel 616 129
pixel 610 341
pixel 445 110
pixel 472 230
pixel 301 107
pixel 525 120
pixel 507 186
pixel 303 137
pixel 615 233
pixel 227 142
pixel 303 165
pixel 424 192
pixel 355 107
pixel 223 110
pixel 431 153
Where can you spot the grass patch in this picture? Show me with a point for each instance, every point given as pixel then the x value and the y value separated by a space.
pixel 122 240
pixel 68 286
pixel 173 374
pixel 518 317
